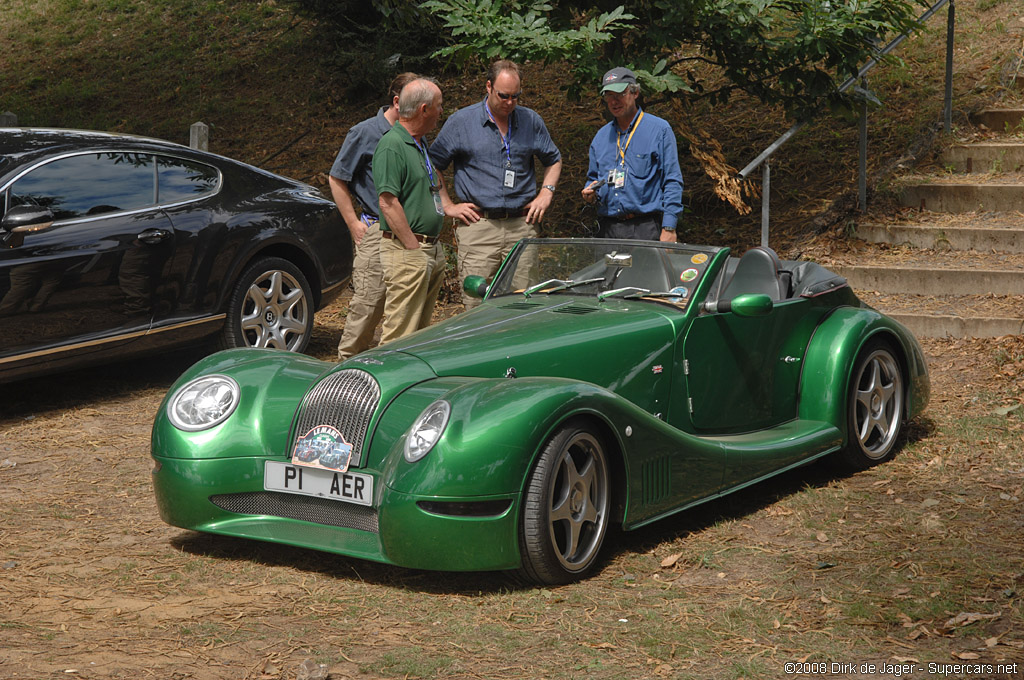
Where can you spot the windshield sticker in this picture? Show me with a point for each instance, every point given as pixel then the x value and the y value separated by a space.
pixel 688 275
pixel 323 446
pixel 681 291
pixel 699 258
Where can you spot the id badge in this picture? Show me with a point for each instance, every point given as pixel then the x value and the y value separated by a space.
pixel 619 178
pixel 438 205
pixel 510 178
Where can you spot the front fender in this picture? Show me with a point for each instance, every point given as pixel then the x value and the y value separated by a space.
pixel 496 428
pixel 271 382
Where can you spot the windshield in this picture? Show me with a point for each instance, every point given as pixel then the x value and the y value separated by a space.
pixel 603 268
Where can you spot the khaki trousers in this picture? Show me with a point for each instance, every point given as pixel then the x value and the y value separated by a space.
pixel 367 305
pixel 413 279
pixel 482 247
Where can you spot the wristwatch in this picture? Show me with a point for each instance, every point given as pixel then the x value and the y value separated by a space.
pixel 550 187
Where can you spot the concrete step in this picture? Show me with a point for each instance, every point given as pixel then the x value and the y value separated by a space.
pixel 939 316
pixel 985 157
pixel 1002 238
pixel 999 120
pixel 922 281
pixel 954 197
pixel 949 326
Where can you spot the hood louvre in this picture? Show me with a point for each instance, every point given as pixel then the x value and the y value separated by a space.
pixel 573 309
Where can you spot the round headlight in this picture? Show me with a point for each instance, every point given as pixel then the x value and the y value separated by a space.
pixel 203 403
pixel 427 429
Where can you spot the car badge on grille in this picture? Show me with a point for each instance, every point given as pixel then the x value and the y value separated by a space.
pixel 323 446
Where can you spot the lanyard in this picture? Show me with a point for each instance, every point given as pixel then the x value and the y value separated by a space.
pixel 618 141
pixel 426 160
pixel 506 142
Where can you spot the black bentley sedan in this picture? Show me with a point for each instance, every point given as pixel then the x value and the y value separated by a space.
pixel 114 244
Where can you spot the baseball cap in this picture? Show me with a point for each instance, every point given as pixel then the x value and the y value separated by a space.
pixel 617 80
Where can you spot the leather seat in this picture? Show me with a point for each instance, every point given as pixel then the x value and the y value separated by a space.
pixel 756 272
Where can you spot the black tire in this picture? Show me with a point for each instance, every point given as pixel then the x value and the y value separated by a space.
pixel 566 507
pixel 875 408
pixel 271 305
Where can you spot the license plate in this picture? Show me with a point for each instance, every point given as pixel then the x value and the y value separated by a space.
pixel 351 487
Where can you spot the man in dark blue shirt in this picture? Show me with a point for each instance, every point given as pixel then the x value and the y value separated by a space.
pixel 352 173
pixel 493 145
pixel 634 173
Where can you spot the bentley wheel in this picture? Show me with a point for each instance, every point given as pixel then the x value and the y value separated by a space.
pixel 566 507
pixel 875 408
pixel 271 306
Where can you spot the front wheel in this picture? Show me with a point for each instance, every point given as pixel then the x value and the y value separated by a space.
pixel 874 409
pixel 271 306
pixel 566 507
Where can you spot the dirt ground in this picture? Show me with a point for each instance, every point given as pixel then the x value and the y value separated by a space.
pixel 94 585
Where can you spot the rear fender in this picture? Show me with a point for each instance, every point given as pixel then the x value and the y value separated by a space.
pixel 830 359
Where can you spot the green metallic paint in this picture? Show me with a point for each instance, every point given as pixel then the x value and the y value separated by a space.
pixel 272 383
pixel 515 369
pixel 547 336
pixel 824 383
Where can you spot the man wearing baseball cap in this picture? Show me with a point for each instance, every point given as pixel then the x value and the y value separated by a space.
pixel 634 173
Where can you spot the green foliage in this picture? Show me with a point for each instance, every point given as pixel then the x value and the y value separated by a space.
pixel 792 52
pixel 370 42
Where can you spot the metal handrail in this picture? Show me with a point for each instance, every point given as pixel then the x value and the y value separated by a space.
pixel 764 158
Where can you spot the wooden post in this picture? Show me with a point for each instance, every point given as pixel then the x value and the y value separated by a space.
pixel 199 136
pixel 8 119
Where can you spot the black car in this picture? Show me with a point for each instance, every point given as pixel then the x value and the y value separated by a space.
pixel 115 244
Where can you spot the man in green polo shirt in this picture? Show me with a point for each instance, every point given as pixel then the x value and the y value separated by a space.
pixel 412 210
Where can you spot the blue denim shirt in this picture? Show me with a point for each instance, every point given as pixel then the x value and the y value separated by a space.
pixel 355 159
pixel 654 182
pixel 472 141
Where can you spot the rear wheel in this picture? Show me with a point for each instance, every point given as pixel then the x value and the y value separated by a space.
pixel 875 408
pixel 270 306
pixel 566 507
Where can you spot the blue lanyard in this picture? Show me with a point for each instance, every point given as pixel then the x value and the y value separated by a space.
pixel 506 143
pixel 426 160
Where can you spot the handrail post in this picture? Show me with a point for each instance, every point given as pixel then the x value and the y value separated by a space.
pixel 947 104
pixel 862 165
pixel 766 184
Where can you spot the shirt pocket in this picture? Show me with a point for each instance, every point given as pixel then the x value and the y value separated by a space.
pixel 642 165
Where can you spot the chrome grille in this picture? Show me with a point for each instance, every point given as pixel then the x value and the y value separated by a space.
pixel 344 400
pixel 306 508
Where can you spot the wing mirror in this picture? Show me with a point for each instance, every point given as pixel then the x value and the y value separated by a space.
pixel 743 305
pixel 21 220
pixel 475 286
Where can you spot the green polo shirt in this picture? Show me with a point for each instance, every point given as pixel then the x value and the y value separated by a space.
pixel 399 168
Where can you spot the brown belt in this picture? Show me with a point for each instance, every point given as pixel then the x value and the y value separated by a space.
pixel 422 238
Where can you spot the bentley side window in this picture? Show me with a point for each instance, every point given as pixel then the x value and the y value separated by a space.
pixel 89 184
pixel 181 180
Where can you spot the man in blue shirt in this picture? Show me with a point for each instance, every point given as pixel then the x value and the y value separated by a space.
pixel 493 145
pixel 352 173
pixel 634 173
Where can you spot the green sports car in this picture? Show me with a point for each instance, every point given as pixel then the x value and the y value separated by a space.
pixel 600 381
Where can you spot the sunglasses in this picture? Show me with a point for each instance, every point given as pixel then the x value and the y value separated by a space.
pixel 506 97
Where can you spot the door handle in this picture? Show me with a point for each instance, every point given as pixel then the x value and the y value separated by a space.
pixel 790 360
pixel 154 236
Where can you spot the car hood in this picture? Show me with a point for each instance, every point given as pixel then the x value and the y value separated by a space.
pixel 623 345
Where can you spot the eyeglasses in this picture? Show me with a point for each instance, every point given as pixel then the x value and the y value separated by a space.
pixel 506 97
